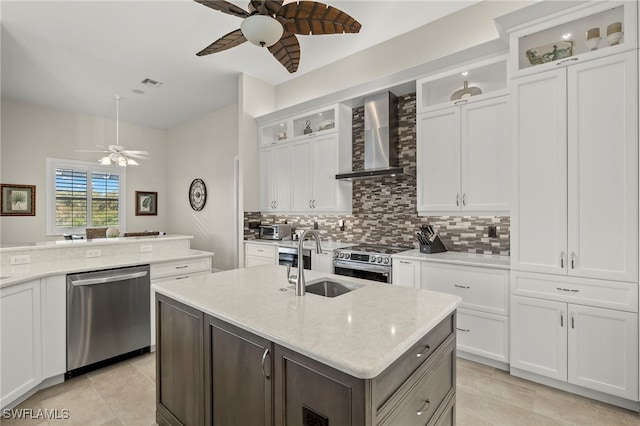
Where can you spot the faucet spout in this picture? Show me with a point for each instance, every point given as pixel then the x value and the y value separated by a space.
pixel 298 280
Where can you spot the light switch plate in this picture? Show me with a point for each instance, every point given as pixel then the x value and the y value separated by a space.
pixel 21 260
pixel 94 253
pixel 146 248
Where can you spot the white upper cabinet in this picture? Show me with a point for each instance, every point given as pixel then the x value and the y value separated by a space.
pixel 575 192
pixel 463 156
pixel 586 31
pixel 463 146
pixel 299 159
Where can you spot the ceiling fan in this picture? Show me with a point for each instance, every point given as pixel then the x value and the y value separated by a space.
pixel 274 25
pixel 117 154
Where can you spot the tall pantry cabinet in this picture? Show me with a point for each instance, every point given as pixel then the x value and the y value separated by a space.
pixel 574 223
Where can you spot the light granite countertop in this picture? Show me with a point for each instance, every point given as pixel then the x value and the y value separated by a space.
pixel 309 244
pixel 457 258
pixel 15 274
pixel 360 333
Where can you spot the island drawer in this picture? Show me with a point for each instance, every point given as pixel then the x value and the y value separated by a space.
pixel 388 382
pixel 484 289
pixel 425 398
pixel 182 267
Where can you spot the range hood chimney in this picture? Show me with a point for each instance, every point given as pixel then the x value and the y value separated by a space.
pixel 380 139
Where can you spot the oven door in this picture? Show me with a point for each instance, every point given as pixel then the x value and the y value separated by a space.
pixel 368 272
pixel 289 256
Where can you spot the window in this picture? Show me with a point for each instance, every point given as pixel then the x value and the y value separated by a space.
pixel 83 195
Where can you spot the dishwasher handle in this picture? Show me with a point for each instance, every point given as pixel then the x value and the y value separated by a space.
pixel 109 279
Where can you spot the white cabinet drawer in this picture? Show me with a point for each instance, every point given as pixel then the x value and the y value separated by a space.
pixel 181 268
pixel 484 289
pixel 483 334
pixel 582 291
pixel 261 250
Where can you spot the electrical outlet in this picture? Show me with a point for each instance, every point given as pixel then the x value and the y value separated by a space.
pixel 21 260
pixel 315 225
pixel 94 253
pixel 146 248
pixel 492 231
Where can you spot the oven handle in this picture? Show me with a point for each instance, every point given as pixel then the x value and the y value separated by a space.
pixel 368 267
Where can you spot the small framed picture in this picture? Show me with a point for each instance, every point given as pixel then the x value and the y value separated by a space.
pixel 146 203
pixel 18 200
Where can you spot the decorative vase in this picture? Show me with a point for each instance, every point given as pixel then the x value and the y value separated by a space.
pixel 113 232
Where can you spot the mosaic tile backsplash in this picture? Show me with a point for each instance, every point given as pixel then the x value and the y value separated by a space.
pixel 384 210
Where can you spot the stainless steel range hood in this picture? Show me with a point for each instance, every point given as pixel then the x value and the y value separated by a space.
pixel 380 139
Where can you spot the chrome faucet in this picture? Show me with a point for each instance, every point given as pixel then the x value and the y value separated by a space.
pixel 298 280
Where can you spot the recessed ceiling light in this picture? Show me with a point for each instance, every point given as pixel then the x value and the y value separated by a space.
pixel 152 83
pixel 465 73
pixel 138 91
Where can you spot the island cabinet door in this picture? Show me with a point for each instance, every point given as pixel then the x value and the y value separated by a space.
pixel 238 376
pixel 308 393
pixel 179 363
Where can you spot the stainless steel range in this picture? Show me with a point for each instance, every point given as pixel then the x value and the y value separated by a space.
pixel 368 261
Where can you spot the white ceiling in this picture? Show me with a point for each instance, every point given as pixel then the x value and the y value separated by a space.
pixel 76 55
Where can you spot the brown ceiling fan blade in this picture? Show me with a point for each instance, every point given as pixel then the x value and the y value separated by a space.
pixel 287 51
pixel 266 7
pixel 310 17
pixel 273 6
pixel 233 39
pixel 225 7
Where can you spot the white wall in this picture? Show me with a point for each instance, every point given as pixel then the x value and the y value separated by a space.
pixel 464 29
pixel 31 133
pixel 204 148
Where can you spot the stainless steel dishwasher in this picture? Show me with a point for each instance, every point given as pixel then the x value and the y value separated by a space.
pixel 108 316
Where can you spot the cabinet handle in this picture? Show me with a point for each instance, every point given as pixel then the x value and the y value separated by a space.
pixel 424 408
pixel 573 321
pixel 571 290
pixel 182 266
pixel 562 256
pixel 561 319
pixel 405 262
pixel 457 200
pixel 313 202
pixel 275 204
pixel 464 200
pixel 426 349
pixel 264 357
pixel 466 330
pixel 573 260
pixel 461 101
pixel 567 60
pixel 310 204
pixel 182 278
pixel 461 286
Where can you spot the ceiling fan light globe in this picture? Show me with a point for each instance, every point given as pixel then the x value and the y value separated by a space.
pixel 261 30
pixel 132 162
pixel 105 161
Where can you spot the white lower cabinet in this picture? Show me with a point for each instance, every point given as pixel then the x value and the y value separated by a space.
pixel 483 316
pixel 260 254
pixel 406 273
pixel 21 344
pixel 592 347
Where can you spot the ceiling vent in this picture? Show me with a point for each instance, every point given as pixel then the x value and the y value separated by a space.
pixel 151 83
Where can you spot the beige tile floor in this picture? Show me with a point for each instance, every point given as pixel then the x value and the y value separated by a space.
pixel 124 394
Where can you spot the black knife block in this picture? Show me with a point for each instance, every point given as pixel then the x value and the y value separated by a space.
pixel 436 247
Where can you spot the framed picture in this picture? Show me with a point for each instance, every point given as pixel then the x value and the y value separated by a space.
pixel 18 200
pixel 146 203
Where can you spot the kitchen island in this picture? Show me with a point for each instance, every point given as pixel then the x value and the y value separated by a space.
pixel 238 347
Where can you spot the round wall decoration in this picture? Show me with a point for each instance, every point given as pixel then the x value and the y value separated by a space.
pixel 197 194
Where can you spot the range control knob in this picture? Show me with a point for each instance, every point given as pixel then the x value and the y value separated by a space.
pixel 386 260
pixel 372 259
pixel 335 254
pixel 341 255
pixel 379 259
pixel 347 255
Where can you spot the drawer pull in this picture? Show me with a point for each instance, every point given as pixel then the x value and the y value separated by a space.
pixel 461 286
pixel 567 60
pixel 561 319
pixel 182 267
pixel 424 408
pixel 466 330
pixel 182 278
pixel 404 262
pixel 568 289
pixel 262 363
pixel 424 352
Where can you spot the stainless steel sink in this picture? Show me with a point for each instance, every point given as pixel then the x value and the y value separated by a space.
pixel 329 288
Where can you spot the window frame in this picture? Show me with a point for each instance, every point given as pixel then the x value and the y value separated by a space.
pixel 89 167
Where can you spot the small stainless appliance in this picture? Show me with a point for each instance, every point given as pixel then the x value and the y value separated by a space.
pixel 276 231
pixel 367 261
pixel 289 256
pixel 108 316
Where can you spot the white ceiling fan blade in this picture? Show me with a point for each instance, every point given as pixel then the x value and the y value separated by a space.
pixel 140 157
pixel 130 152
pixel 89 150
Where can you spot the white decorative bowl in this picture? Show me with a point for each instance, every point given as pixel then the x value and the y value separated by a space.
pixel 614 38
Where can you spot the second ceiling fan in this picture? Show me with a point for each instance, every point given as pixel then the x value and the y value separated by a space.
pixel 274 25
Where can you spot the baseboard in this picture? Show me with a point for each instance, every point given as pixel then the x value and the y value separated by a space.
pixel 482 360
pixel 51 381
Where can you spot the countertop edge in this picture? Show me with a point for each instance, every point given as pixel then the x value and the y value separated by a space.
pixel 487 262
pixel 65 244
pixel 11 281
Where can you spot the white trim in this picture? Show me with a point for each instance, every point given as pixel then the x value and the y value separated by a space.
pixel 53 163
